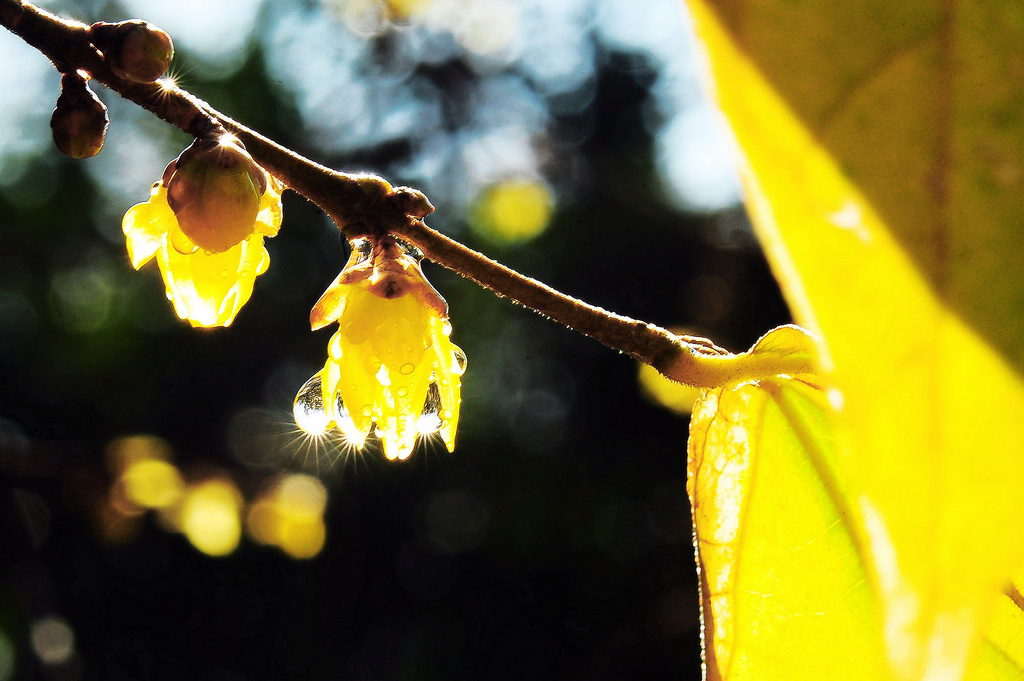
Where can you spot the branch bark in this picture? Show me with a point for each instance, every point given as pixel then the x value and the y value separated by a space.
pixel 362 204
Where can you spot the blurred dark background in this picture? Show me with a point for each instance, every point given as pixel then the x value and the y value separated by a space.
pixel 569 140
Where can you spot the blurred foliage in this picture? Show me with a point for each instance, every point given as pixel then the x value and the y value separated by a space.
pixel 896 236
pixel 554 542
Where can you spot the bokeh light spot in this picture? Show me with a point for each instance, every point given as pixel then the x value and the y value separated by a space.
pixel 53 641
pixel 152 483
pixel 122 452
pixel 302 495
pixel 210 517
pixel 406 9
pixel 290 516
pixel 83 297
pixel 303 538
pixel 513 211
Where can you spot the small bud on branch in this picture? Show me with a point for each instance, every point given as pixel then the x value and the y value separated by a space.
pixel 79 120
pixel 135 50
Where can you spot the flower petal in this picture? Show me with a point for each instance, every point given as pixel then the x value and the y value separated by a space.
pixel 144 226
pixel 268 220
pixel 330 306
pixel 208 289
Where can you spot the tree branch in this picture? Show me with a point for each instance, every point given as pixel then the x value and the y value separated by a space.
pixel 362 204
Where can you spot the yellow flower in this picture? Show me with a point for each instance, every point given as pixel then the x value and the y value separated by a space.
pixel 390 364
pixel 207 289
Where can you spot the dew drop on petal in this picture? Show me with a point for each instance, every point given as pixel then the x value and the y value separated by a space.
pixel 429 420
pixel 356 332
pixel 459 364
pixel 410 249
pixel 308 409
pixel 347 425
pixel 362 248
pixel 181 243
pixel 407 368
pixel 446 327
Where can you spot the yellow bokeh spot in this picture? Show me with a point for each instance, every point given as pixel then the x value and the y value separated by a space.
pixel 666 392
pixel 209 517
pixel 290 516
pixel 513 211
pixel 406 9
pixel 303 537
pixel 302 495
pixel 152 483
pixel 122 452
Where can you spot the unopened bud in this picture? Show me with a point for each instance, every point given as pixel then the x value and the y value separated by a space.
pixel 136 50
pixel 412 202
pixel 79 121
pixel 214 189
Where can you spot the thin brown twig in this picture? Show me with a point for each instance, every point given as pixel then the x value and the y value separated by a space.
pixel 361 204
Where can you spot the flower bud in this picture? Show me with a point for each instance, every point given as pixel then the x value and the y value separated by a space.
pixel 412 202
pixel 79 120
pixel 214 189
pixel 391 367
pixel 135 50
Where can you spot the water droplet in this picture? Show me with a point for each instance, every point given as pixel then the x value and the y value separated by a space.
pixel 367 410
pixel 429 420
pixel 308 409
pixel 356 332
pixel 347 425
pixel 407 368
pixel 341 408
pixel 224 273
pixel 410 249
pixel 181 243
pixel 362 250
pixel 446 327
pixel 459 364
pixel 403 391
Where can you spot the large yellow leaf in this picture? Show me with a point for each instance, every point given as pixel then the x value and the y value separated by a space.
pixel 921 103
pixel 784 588
pixel 930 423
